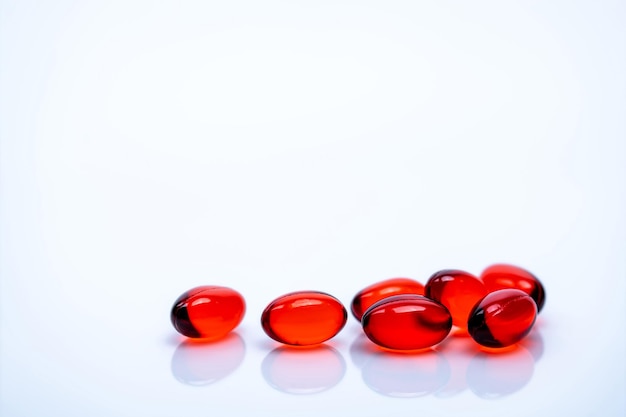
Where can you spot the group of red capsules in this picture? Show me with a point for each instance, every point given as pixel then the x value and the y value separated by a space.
pixel 497 309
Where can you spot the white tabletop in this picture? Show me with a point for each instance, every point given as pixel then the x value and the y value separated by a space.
pixel 150 147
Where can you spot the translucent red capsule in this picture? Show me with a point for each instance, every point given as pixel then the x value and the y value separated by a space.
pixel 304 318
pixel 208 312
pixel 376 292
pixel 502 318
pixel 458 290
pixel 406 322
pixel 502 276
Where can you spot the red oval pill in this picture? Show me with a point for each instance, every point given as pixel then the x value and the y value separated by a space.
pixel 406 322
pixel 376 292
pixel 502 318
pixel 303 318
pixel 458 290
pixel 208 312
pixel 502 276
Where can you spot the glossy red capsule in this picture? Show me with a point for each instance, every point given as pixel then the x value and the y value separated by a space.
pixel 502 318
pixel 376 292
pixel 501 276
pixel 208 312
pixel 406 322
pixel 304 318
pixel 458 290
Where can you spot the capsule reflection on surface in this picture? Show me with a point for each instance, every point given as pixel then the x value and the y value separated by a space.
pixel 303 370
pixel 195 363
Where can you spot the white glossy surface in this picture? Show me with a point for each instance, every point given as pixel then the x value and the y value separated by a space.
pixel 269 146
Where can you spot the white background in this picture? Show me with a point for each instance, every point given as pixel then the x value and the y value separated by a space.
pixel 272 146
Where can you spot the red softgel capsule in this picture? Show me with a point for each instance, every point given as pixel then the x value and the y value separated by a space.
pixel 502 318
pixel 365 298
pixel 208 312
pixel 458 290
pixel 304 318
pixel 406 322
pixel 502 276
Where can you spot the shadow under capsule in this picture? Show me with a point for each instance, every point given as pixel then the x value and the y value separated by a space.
pixel 405 375
pixel 534 343
pixel 458 351
pixel 303 370
pixel 203 363
pixel 362 350
pixel 453 366
pixel 493 375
